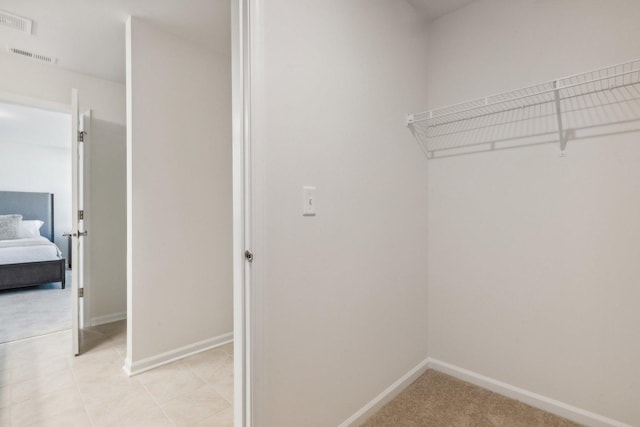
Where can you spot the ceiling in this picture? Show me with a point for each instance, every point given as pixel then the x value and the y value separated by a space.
pixel 88 36
pixel 34 126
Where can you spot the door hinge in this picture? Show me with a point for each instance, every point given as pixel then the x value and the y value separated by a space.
pixel 81 135
pixel 80 292
pixel 80 214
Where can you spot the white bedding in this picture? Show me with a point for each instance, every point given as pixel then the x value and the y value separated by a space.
pixel 28 250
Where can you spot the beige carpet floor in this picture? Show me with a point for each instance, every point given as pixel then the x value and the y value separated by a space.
pixel 438 400
pixel 33 311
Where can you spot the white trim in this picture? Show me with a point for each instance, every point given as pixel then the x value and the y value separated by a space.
pixel 129 168
pixel 241 58
pixel 27 101
pixel 386 396
pixel 127 365
pixel 86 302
pixel 148 363
pixel 553 406
pixel 547 404
pixel 76 242
pixel 108 318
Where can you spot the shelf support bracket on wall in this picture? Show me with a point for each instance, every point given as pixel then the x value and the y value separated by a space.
pixel 561 137
pixel 410 119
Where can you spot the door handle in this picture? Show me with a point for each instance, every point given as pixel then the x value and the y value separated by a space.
pixel 74 234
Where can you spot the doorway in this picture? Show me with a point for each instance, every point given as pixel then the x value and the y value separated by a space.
pixel 35 204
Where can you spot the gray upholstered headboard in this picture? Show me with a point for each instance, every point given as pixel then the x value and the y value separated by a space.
pixel 30 206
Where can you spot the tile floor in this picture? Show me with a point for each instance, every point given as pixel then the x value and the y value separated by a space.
pixel 42 385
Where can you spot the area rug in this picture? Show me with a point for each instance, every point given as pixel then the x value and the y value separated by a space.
pixel 33 311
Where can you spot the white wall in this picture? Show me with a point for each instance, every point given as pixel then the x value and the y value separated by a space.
pixel 533 272
pixel 342 295
pixel 19 78
pixel 108 220
pixel 179 193
pixel 29 78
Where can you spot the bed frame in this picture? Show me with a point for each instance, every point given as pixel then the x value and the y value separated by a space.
pixel 31 206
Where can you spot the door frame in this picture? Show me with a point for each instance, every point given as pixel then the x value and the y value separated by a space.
pixel 65 108
pixel 80 196
pixel 27 101
pixel 242 42
pixel 76 244
pixel 85 121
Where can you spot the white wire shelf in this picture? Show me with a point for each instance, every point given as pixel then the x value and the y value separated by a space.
pixel 543 113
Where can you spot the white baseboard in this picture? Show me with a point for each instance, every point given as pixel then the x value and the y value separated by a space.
pixel 139 366
pixel 386 396
pixel 553 406
pixel 108 318
pixel 127 366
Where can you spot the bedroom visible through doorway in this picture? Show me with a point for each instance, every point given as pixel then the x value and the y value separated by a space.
pixel 35 211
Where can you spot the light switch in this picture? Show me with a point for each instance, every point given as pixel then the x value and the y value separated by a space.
pixel 309 201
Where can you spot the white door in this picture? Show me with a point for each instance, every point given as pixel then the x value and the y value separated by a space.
pixel 77 215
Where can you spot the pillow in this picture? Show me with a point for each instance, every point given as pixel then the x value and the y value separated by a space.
pixel 10 227
pixel 30 228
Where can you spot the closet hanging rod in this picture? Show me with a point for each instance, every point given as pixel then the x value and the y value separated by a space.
pixel 429 113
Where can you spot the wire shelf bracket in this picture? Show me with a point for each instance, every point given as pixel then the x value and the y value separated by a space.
pixel 532 115
pixel 561 137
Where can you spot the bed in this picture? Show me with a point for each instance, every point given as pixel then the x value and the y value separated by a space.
pixel 32 260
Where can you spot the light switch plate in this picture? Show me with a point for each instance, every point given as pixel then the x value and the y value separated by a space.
pixel 309 201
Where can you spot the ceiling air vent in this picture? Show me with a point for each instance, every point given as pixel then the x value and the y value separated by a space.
pixel 32 55
pixel 15 22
